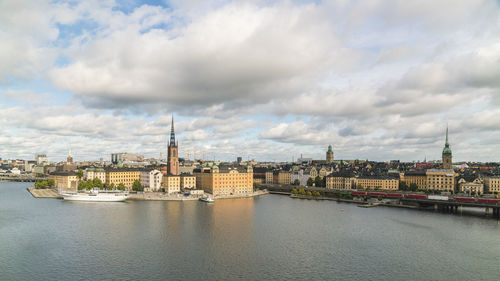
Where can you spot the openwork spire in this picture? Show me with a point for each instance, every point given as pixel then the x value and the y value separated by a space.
pixel 172 132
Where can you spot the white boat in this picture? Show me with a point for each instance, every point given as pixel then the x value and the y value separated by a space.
pixel 207 199
pixel 96 196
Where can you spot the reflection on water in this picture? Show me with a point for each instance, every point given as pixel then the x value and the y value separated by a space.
pixel 270 237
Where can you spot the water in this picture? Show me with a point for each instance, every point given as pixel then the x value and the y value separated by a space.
pixel 268 238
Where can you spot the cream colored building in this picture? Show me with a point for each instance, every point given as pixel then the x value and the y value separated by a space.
pixel 441 180
pixel 151 180
pixel 492 184
pixel 338 182
pixel 377 183
pixel 65 181
pixel 225 180
pixel 417 177
pixel 474 187
pixel 188 182
pixel 125 176
pixel 171 184
pixel 94 172
pixel 283 177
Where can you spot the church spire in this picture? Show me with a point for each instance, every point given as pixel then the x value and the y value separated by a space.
pixel 446 143
pixel 172 133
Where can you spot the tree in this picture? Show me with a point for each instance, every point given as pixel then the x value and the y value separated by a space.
pixel 96 182
pixel 302 191
pixel 413 187
pixel 256 185
pixel 51 183
pixel 294 191
pixel 121 186
pixel 318 182
pixel 83 185
pixel 310 182
pixel 403 186
pixel 136 186
pixel 323 184
pixel 112 186
pixel 296 182
pixel 309 193
pixel 317 194
pixel 79 174
pixel 41 184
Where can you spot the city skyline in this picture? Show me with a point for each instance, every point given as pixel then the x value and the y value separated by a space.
pixel 261 80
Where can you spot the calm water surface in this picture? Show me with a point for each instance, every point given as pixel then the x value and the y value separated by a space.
pixel 268 238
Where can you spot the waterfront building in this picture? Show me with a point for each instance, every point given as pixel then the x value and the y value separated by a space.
pixel 281 177
pixel 188 181
pixel 225 180
pixel 492 184
pixel 66 181
pixel 475 187
pixel 377 183
pixel 329 155
pixel 173 153
pixel 122 175
pixel 418 177
pixel 300 176
pixel 269 177
pixel 151 180
pixel 339 182
pixel 171 184
pixel 94 172
pixel 441 180
pixel 447 159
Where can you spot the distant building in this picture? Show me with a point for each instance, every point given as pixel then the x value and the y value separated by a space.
pixel 447 161
pixel 329 155
pixel 173 153
pixel 41 159
pixel 492 184
pixel 188 181
pixel 119 158
pixel 225 180
pixel 441 180
pixel 65 181
pixel 418 177
pixel 475 187
pixel 126 176
pixel 171 184
pixel 239 159
pixel 151 180
pixel 377 183
pixel 339 182
pixel 93 172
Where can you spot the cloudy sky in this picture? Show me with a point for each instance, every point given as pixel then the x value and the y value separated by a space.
pixel 265 80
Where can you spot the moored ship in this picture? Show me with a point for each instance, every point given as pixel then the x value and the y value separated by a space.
pixel 96 196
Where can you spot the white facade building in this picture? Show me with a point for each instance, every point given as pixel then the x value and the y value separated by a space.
pixel 92 173
pixel 151 180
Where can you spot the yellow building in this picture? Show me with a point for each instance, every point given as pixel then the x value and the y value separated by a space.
pixel 475 187
pixel 65 181
pixel 338 182
pixel 492 184
pixel 225 180
pixel 125 176
pixel 188 182
pixel 283 177
pixel 441 180
pixel 171 184
pixel 417 177
pixel 377 183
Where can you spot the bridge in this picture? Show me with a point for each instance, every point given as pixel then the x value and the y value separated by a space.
pixel 21 178
pixel 453 207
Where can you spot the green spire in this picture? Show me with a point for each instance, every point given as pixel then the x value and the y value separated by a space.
pixel 446 143
pixel 330 148
pixel 446 149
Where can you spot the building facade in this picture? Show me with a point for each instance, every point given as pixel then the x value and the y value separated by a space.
pixel 225 180
pixel 415 177
pixel 151 180
pixel 475 187
pixel 188 182
pixel 125 176
pixel 447 156
pixel 441 180
pixel 338 182
pixel 173 153
pixel 377 183
pixel 492 184
pixel 171 184
pixel 65 181
pixel 93 172
pixel 329 155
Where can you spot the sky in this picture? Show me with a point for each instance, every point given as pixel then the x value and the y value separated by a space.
pixel 265 80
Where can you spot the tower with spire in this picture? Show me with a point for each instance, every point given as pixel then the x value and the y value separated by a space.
pixel 69 160
pixel 173 152
pixel 329 155
pixel 447 163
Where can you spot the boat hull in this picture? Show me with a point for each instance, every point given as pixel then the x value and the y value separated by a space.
pixel 95 198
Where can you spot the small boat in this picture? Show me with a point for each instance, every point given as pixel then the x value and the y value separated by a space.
pixel 96 196
pixel 207 199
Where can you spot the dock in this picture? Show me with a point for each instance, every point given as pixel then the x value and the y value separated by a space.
pixel 44 193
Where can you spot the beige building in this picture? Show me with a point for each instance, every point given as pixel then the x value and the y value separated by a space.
pixel 441 180
pixel 417 177
pixel 171 184
pixel 492 184
pixel 282 177
pixel 65 181
pixel 338 182
pixel 225 180
pixel 475 187
pixel 93 172
pixel 151 180
pixel 377 183
pixel 188 182
pixel 269 177
pixel 125 176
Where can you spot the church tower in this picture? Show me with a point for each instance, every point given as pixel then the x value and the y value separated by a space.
pixel 447 163
pixel 329 155
pixel 173 153
pixel 69 160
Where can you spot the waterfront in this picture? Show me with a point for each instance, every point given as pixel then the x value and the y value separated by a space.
pixel 262 238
